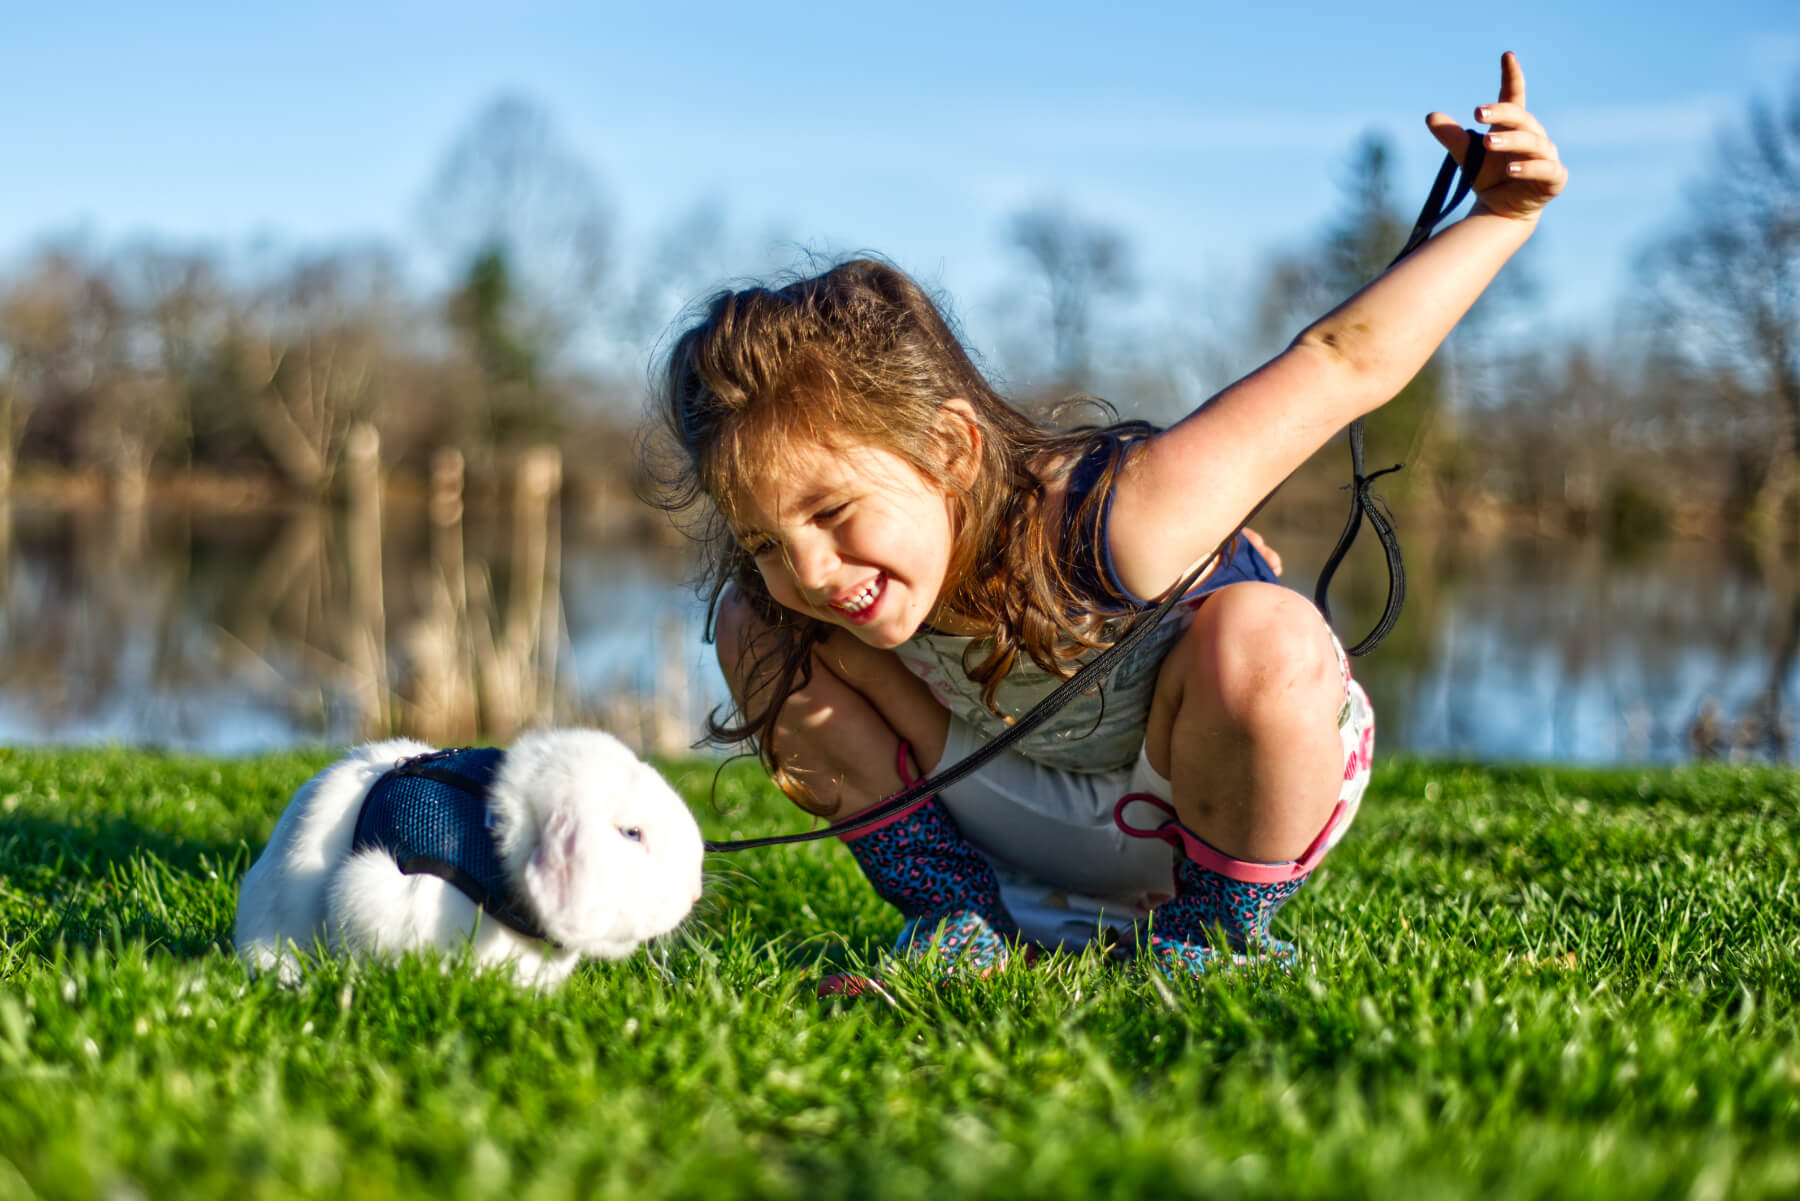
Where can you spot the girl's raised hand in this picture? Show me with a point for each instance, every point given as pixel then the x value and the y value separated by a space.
pixel 1521 173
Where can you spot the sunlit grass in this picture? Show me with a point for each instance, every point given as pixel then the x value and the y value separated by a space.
pixel 1520 983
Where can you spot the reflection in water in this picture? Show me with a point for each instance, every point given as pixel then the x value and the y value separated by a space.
pixel 111 631
pixel 1542 650
pixel 232 634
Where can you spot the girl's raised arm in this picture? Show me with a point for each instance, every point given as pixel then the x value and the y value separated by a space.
pixel 1187 488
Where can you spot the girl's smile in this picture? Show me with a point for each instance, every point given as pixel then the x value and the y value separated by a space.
pixel 856 537
pixel 859 606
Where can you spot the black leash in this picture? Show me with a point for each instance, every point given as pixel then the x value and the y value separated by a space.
pixel 1100 667
pixel 1362 502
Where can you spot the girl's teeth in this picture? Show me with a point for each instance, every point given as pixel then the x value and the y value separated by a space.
pixel 862 600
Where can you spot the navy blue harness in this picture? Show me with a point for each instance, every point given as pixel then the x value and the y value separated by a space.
pixel 432 814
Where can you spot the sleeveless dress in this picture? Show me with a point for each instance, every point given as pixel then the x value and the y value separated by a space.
pixel 1042 812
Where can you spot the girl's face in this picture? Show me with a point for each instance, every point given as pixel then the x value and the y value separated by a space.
pixel 856 537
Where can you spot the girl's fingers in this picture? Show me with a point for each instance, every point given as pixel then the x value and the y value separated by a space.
pixel 1449 133
pixel 1509 116
pixel 1521 142
pixel 1538 170
pixel 1523 151
pixel 1512 80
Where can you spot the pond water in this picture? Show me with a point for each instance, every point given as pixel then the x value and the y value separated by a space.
pixel 239 633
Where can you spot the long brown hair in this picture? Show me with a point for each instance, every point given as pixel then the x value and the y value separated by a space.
pixel 861 355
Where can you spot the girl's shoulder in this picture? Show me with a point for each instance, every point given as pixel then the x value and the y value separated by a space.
pixel 1078 502
pixel 1083 461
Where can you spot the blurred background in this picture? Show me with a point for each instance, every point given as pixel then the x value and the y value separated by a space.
pixel 324 337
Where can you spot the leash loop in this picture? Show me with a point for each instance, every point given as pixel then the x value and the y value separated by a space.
pixel 1363 504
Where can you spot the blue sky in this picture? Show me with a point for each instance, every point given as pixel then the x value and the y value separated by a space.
pixel 1210 133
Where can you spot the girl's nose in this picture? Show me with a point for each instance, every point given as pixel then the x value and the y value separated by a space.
pixel 813 561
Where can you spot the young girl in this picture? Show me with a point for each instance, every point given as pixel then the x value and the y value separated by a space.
pixel 903 563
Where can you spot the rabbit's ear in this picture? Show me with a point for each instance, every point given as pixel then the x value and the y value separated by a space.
pixel 550 875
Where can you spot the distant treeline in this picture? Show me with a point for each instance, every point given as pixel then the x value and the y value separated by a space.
pixel 154 363
pixel 150 364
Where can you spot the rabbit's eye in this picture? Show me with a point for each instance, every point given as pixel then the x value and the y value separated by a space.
pixel 634 833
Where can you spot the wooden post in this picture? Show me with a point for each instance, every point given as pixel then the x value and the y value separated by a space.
pixel 446 510
pixel 534 611
pixel 367 652
pixel 439 646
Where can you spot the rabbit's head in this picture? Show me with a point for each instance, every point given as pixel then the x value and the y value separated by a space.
pixel 595 839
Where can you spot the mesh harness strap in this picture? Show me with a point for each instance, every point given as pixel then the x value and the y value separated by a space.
pixel 433 815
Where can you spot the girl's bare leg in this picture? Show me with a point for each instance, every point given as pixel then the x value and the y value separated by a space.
pixel 836 737
pixel 1244 723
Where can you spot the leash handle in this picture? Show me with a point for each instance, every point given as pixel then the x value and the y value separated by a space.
pixel 1363 503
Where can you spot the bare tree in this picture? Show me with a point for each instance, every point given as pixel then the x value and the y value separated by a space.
pixel 168 307
pixel 511 189
pixel 686 258
pixel 312 353
pixel 1077 262
pixel 180 313
pixel 62 324
pixel 1724 291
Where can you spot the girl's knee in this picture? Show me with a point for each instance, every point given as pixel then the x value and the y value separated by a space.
pixel 858 702
pixel 735 628
pixel 1255 648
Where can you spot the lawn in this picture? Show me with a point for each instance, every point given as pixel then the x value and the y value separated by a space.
pixel 1519 982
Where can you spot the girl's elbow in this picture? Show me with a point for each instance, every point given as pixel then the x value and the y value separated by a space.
pixel 1346 347
pixel 1359 381
pixel 1327 339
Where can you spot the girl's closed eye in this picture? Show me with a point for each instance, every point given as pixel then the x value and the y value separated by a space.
pixel 756 545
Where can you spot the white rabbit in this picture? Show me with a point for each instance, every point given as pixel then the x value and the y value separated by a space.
pixel 590 850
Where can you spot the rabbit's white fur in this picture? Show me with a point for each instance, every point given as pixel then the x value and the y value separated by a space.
pixel 563 799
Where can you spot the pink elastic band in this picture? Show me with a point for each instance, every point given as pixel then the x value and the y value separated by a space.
pixel 1213 859
pixel 902 764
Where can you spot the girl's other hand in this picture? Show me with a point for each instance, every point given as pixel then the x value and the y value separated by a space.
pixel 1262 548
pixel 1521 172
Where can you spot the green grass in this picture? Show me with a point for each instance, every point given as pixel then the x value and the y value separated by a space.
pixel 1520 983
